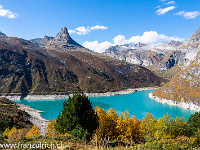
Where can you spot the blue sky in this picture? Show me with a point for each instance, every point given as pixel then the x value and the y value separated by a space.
pixel 101 23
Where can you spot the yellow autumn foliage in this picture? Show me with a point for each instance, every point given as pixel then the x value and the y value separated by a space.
pixel 6 132
pixel 12 134
pixel 164 128
pixel 128 127
pixel 33 132
pixel 50 129
pixel 114 125
pixel 148 126
pixel 107 122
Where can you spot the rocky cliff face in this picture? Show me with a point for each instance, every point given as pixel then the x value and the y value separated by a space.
pixel 185 86
pixel 157 57
pixel 29 68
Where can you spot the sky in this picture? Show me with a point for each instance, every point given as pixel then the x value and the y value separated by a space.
pixel 99 24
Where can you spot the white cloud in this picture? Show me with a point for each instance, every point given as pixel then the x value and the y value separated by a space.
pixel 120 40
pixel 147 37
pixel 7 13
pixel 98 27
pixel 71 31
pixel 85 30
pixel 170 3
pixel 189 15
pixel 96 46
pixel 162 11
pixel 82 30
pixel 152 37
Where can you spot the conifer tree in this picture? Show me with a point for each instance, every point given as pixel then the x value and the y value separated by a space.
pixel 77 111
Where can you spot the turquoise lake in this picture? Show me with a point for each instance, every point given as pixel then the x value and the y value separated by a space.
pixel 138 104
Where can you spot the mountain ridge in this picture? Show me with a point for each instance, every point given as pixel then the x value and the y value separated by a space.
pixel 27 68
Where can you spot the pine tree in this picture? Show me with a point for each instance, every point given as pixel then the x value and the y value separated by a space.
pixel 77 111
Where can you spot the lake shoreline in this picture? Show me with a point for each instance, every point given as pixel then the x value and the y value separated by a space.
pixel 190 106
pixel 38 120
pixel 35 117
pixel 57 97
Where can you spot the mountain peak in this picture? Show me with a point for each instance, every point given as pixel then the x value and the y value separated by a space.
pixel 63 34
pixel 1 33
pixel 64 30
pixel 195 37
pixel 62 40
pixel 197 33
pixel 193 41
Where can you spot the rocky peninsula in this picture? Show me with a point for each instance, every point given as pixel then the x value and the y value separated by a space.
pixel 182 104
pixel 35 117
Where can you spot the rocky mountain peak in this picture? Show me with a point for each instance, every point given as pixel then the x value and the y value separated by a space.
pixel 196 34
pixel 195 37
pixel 62 40
pixel 63 34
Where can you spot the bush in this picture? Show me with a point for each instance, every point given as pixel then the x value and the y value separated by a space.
pixel 6 132
pixel 194 121
pixel 12 134
pixel 164 128
pixel 5 122
pixel 33 132
pixel 77 111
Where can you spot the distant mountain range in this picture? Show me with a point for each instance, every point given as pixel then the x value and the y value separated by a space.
pixel 59 65
pixel 143 54
pixel 162 58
